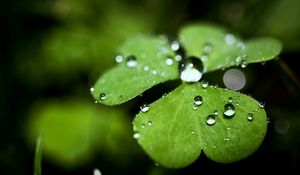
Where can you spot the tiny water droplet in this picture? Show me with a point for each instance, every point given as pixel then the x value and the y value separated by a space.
pixel 216 112
pixel 229 39
pixel 136 135
pixel 226 138
pixel 156 164
pixel 230 99
pixel 204 58
pixel 119 58
pixel 204 84
pixel 154 72
pixel 229 110
pixel 214 146
pixel 175 45
pixel 211 120
pixel 241 45
pixel 169 61
pixel 198 100
pixel 96 101
pixel 195 107
pixel 250 116
pixel 191 70
pixel 102 96
pixel 228 128
pixel 268 120
pixel 238 60
pixel 178 58
pixel 261 104
pixel 208 48
pixel 92 89
pixel 143 125
pixel 146 68
pixel 244 64
pixel 131 61
pixel 193 132
pixel 144 107
pixel 149 123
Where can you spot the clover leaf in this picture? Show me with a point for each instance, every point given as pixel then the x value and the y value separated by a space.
pixel 226 125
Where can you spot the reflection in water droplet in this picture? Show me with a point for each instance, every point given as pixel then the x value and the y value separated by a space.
pixel 229 110
pixel 169 61
pixel 102 96
pixel 191 70
pixel 144 107
pixel 198 100
pixel 210 120
pixel 175 46
pixel 208 47
pixel 119 58
pixel 136 135
pixel 178 58
pixel 216 112
pixel 146 68
pixel 92 89
pixel 204 84
pixel 149 123
pixel 250 116
pixel 261 104
pixel 131 61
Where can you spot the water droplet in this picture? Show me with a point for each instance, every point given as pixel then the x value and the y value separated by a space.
pixel 204 84
pixel 208 47
pixel 229 39
pixel 195 107
pixel 178 58
pixel 121 97
pixel 119 58
pixel 229 110
pixel 169 61
pixel 204 58
pixel 146 68
pixel 216 112
pixel 226 138
pixel 154 72
pixel 211 120
pixel 131 61
pixel 136 135
pixel 175 45
pixel 244 64
pixel 230 99
pixel 191 70
pixel 102 96
pixel 214 146
pixel 250 116
pixel 144 107
pixel 241 45
pixel 92 89
pixel 238 60
pixel 96 101
pixel 261 104
pixel 198 100
pixel 156 164
pixel 193 132
pixel 143 125
pixel 149 123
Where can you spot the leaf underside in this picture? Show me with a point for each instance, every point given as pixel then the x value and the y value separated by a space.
pixel 123 83
pixel 178 133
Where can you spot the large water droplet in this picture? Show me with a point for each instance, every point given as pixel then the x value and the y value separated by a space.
pixel 131 61
pixel 119 58
pixel 207 48
pixel 102 96
pixel 136 135
pixel 229 110
pixel 175 46
pixel 169 61
pixel 198 100
pixel 144 107
pixel 210 120
pixel 250 116
pixel 191 70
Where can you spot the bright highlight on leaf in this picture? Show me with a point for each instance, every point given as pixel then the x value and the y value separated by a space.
pixel 220 126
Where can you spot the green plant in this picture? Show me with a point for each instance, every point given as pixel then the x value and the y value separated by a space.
pixel 226 125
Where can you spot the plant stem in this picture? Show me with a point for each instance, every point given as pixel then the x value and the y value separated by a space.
pixel 289 72
pixel 38 156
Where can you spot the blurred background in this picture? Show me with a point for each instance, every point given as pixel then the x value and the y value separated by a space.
pixel 53 51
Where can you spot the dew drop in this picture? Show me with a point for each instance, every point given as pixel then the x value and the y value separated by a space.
pixel 229 39
pixel 193 132
pixel 208 48
pixel 216 112
pixel 198 100
pixel 226 138
pixel 146 68
pixel 191 70
pixel 154 72
pixel 169 61
pixel 119 58
pixel 102 96
pixel 96 101
pixel 204 84
pixel 250 116
pixel 238 60
pixel 211 120
pixel 175 45
pixel 92 89
pixel 230 99
pixel 144 107
pixel 143 125
pixel 214 146
pixel 178 58
pixel 131 61
pixel 149 123
pixel 244 64
pixel 229 110
pixel 136 135
pixel 261 104
pixel 195 107
pixel 204 58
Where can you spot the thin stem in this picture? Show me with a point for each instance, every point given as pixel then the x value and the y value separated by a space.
pixel 289 72
pixel 38 156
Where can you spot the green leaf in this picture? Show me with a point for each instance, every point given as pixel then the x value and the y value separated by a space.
pixel 123 83
pixel 173 133
pixel 226 49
